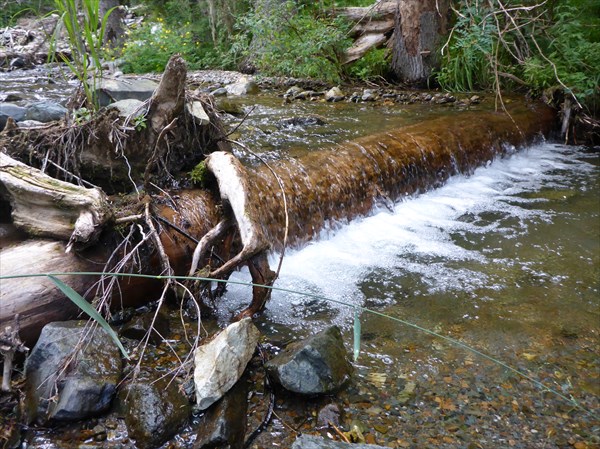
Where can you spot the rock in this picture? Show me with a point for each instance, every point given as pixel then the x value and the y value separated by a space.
pixel 369 95
pixel 306 94
pixel 244 86
pixel 11 110
pixel 45 111
pixel 311 120
pixel 330 414
pixel 292 92
pixel 60 389
pixel 13 96
pixel 475 99
pixel 224 424
pixel 128 107
pixel 17 63
pixel 314 366
pixel 314 442
pixel 195 109
pixel 219 92
pixel 30 124
pixel 136 329
pixel 334 94
pixel 220 363
pixel 229 106
pixel 155 410
pixel 110 90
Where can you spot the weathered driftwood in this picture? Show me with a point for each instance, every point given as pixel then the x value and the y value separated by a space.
pixel 46 207
pixel 372 27
pixel 322 187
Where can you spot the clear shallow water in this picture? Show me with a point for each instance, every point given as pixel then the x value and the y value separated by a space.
pixel 506 261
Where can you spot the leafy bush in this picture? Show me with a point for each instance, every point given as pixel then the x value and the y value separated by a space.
pixel 150 46
pixel 375 64
pixel 288 40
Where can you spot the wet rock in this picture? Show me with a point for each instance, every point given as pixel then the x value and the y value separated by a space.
pixel 369 95
pixel 155 410
pixel 314 366
pixel 355 97
pixel 13 96
pixel 475 99
pixel 224 424
pixel 314 442
pixel 11 110
pixel 244 86
pixel 128 107
pixel 45 111
pixel 307 94
pixel 110 90
pixel 230 107
pixel 328 415
pixel 311 120
pixel 219 92
pixel 220 363
pixel 136 329
pixel 62 388
pixel 334 94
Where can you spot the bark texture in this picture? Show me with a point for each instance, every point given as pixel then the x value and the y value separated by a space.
pixel 420 26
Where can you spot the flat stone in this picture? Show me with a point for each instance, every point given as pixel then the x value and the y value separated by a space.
pixel 197 111
pixel 110 90
pixel 45 111
pixel 128 107
pixel 244 86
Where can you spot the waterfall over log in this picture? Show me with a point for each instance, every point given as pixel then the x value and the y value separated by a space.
pixel 322 187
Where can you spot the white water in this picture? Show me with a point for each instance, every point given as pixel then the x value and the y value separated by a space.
pixel 428 237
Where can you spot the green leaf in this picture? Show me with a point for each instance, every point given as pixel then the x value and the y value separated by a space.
pixel 356 333
pixel 87 308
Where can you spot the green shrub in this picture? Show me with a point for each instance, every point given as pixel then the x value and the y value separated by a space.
pixel 374 64
pixel 288 40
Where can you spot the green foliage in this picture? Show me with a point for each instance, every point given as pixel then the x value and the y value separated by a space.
pixel 467 64
pixel 85 37
pixel 491 47
pixel 198 173
pixel 375 64
pixel 288 40
pixel 573 49
pixel 11 10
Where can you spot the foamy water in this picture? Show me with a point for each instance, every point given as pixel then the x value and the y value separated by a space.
pixel 432 237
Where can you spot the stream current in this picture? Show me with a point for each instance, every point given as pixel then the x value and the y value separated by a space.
pixel 506 261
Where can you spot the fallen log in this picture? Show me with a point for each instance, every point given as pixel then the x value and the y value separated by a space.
pixel 322 188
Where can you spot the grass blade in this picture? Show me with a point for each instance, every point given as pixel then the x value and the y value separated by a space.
pixel 87 308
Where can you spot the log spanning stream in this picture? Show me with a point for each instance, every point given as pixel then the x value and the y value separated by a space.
pixel 504 258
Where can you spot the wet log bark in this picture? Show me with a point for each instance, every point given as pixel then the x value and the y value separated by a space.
pixel 322 188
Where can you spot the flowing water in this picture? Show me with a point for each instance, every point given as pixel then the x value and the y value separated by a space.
pixel 506 261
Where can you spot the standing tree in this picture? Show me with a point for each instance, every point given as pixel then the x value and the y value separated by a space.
pixel 420 27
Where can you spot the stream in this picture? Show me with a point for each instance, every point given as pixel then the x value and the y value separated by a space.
pixel 505 261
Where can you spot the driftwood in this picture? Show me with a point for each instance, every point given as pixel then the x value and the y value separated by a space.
pixel 372 27
pixel 353 174
pixel 46 207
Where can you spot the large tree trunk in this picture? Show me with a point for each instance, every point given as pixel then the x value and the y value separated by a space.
pixel 420 27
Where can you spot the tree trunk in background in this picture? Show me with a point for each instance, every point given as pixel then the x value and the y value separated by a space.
pixel 421 25
pixel 114 33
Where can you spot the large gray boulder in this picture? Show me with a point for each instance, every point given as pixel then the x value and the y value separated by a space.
pixel 317 365
pixel 220 363
pixel 110 90
pixel 314 442
pixel 155 410
pixel 72 372
pixel 45 111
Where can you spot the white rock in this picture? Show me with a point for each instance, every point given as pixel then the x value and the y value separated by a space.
pixel 244 86
pixel 220 363
pixel 195 109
